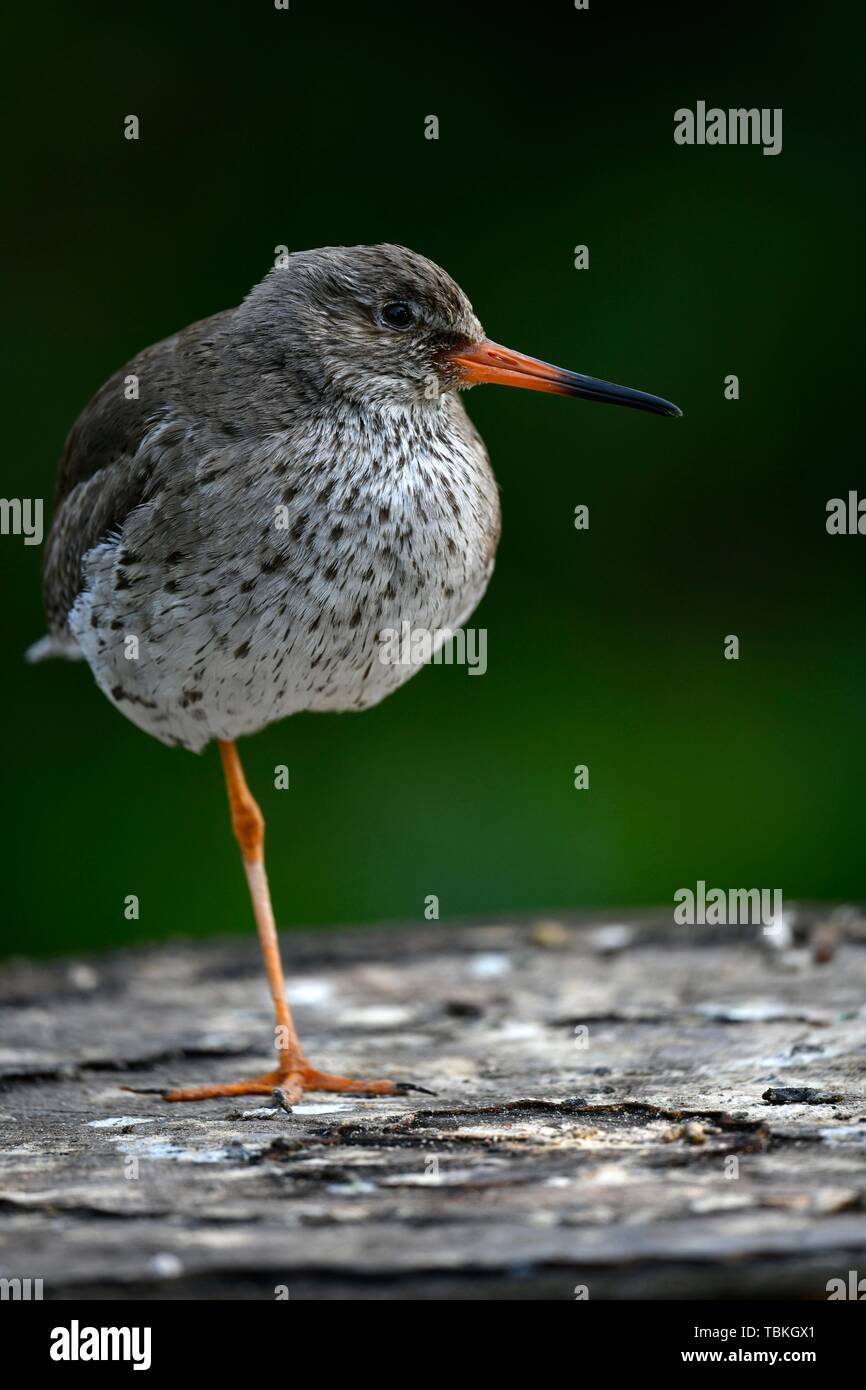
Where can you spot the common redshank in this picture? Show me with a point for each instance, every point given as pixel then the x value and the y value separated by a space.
pixel 244 508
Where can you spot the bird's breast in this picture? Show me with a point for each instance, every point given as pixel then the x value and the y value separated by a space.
pixel 389 524
pixel 264 580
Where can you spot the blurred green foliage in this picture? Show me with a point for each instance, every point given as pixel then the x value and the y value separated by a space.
pixel 305 127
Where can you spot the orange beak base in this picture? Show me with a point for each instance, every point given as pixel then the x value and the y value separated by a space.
pixel 487 361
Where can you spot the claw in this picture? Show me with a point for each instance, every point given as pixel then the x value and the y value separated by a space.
pixel 288 1094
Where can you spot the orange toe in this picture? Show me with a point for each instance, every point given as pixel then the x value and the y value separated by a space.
pixel 292 1081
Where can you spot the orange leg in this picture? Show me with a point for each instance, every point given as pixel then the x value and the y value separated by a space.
pixel 293 1074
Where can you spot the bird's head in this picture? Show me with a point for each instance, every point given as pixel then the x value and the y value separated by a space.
pixel 383 326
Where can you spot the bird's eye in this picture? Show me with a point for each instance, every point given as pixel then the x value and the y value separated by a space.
pixel 398 315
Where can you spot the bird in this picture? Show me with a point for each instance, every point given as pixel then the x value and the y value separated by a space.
pixel 244 507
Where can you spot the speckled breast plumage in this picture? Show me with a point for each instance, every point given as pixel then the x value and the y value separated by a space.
pixel 256 578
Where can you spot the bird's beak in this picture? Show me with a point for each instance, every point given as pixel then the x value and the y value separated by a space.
pixel 487 361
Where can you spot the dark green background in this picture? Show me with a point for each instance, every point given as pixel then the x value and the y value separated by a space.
pixel 261 127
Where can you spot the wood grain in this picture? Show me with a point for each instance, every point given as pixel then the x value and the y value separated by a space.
pixel 640 1159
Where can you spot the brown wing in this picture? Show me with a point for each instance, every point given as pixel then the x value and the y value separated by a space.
pixel 104 470
pixel 91 511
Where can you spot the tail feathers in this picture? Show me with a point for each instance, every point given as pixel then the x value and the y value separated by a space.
pixel 51 646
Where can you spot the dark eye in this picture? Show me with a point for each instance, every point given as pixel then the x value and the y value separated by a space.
pixel 398 315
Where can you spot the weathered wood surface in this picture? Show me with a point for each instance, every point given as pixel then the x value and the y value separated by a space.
pixel 537 1166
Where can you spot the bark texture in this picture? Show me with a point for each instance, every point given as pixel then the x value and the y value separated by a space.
pixel 621 1107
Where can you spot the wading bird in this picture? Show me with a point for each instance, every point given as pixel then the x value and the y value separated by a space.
pixel 291 477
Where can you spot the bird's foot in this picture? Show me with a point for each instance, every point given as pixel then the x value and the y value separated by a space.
pixel 289 1083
